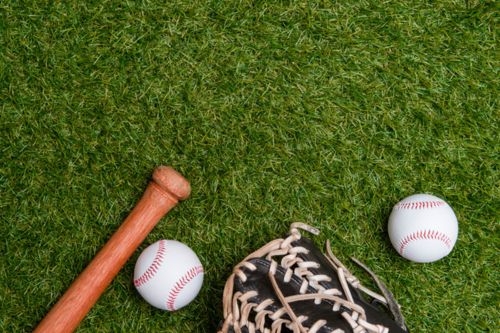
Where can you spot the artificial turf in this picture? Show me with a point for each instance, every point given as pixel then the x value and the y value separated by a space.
pixel 276 111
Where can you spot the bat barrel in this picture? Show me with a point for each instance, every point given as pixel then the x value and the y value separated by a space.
pixel 162 194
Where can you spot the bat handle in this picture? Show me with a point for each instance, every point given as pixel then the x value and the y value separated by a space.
pixel 162 194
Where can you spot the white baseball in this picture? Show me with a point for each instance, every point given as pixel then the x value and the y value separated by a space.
pixel 423 228
pixel 168 275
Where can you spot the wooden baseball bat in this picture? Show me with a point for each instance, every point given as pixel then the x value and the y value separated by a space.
pixel 166 188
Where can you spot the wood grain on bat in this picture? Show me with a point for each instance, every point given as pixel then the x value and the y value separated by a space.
pixel 162 194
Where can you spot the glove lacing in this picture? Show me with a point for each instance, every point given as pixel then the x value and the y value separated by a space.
pixel 237 307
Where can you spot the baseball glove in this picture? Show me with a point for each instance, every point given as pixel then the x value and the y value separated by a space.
pixel 288 286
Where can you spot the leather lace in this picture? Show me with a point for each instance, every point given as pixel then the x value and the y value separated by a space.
pixel 241 311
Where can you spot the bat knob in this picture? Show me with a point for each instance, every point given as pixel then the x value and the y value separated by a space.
pixel 172 182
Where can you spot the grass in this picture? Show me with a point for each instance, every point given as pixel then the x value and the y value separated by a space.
pixel 327 113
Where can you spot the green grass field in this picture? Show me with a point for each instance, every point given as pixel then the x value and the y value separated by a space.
pixel 276 112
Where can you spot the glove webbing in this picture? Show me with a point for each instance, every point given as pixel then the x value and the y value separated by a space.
pixel 237 307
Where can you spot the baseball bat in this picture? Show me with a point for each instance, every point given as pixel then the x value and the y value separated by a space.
pixel 164 191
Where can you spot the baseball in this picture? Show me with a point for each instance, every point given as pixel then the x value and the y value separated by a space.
pixel 168 275
pixel 423 228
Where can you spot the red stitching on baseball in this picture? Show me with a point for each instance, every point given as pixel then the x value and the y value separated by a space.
pixel 424 234
pixel 180 284
pixel 420 204
pixel 153 268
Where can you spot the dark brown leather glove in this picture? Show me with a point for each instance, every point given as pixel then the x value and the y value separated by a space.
pixel 289 285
